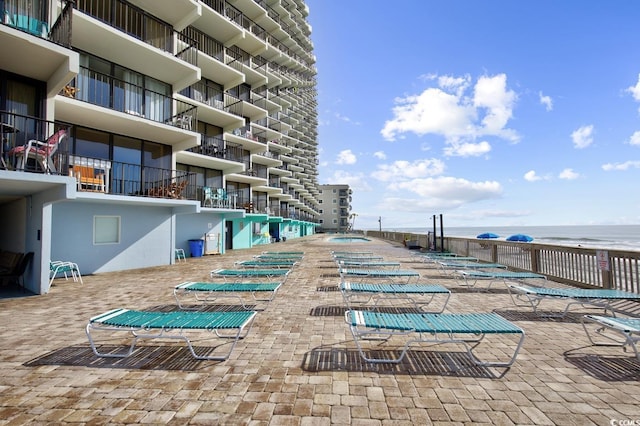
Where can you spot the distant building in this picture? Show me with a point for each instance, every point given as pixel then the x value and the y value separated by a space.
pixel 335 208
pixel 132 128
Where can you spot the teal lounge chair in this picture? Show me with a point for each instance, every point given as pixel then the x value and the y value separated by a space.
pixel 599 298
pixel 629 328
pixel 448 266
pixel 267 257
pixel 419 295
pixel 392 275
pixel 267 263
pixel 171 325
pixel 369 264
pixel 238 274
pixel 469 330
pixel 472 277
pixel 208 292
pixel 284 253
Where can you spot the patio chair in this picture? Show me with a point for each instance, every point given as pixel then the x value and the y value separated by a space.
pixel 418 295
pixel 208 292
pixel 208 196
pixel 41 151
pixel 221 198
pixel 599 298
pixel 57 267
pixel 628 328
pixel 179 255
pixel 171 325
pixel 469 330
pixel 88 178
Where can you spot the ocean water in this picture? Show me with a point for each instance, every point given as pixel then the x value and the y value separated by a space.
pixel 619 237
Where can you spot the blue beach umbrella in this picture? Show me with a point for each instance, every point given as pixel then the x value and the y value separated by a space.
pixel 488 235
pixel 521 238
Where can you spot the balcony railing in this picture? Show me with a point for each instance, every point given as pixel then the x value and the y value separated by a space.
pixel 137 23
pixel 30 17
pixel 32 144
pixel 50 153
pixel 110 92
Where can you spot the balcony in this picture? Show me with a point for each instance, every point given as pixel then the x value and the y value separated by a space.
pixel 127 35
pixel 213 154
pixel 31 55
pixel 93 97
pixel 214 61
pixel 92 174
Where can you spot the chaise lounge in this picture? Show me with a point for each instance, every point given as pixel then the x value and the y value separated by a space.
pixel 418 295
pixel 467 329
pixel 600 298
pixel 171 325
pixel 472 277
pixel 629 328
pixel 238 274
pixel 208 292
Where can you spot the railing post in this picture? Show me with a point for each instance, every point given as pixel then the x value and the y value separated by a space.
pixel 535 256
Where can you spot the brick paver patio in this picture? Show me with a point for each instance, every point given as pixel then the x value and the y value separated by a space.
pixel 299 364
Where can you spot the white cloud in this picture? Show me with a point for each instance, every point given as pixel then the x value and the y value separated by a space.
pixel 531 176
pixel 346 157
pixel 403 170
pixel 345 119
pixel 568 174
pixel 621 166
pixel 635 139
pixel 582 137
pixel 635 90
pixel 380 155
pixel 491 93
pixel 441 192
pixel 449 111
pixel 357 182
pixel 546 101
pixel 467 149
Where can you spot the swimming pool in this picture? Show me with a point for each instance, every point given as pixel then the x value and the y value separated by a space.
pixel 348 239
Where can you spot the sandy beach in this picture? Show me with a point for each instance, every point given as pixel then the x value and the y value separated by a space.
pixel 298 365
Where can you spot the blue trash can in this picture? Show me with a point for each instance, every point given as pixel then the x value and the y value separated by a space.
pixel 196 247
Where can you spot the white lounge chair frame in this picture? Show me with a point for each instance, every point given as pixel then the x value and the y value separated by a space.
pixel 628 328
pixel 434 329
pixel 599 298
pixel 267 263
pixel 209 292
pixel 449 266
pixel 235 275
pixel 170 325
pixel 395 276
pixel 418 295
pixel 470 278
pixel 353 263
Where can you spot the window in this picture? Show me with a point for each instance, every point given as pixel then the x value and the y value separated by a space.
pixel 106 229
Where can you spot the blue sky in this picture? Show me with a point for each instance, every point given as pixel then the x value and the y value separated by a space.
pixel 490 112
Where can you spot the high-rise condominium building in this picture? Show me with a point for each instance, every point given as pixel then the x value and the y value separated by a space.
pixel 132 128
